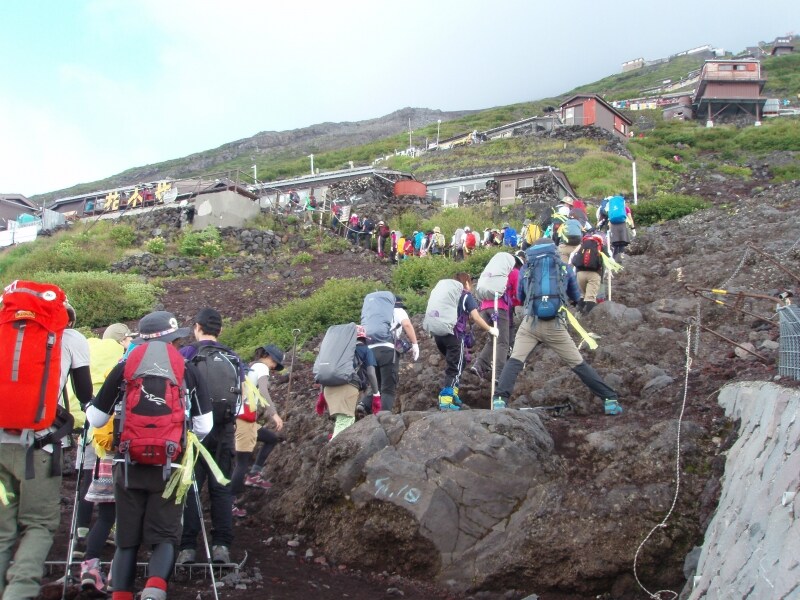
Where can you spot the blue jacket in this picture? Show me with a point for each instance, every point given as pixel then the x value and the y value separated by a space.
pixel 572 289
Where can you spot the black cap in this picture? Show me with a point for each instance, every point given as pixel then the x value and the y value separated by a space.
pixel 162 326
pixel 210 321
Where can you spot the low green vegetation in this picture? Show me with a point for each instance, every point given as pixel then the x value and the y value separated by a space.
pixel 783 76
pixel 103 298
pixel 420 275
pixel 666 207
pixel 156 245
pixel 337 301
pixel 206 243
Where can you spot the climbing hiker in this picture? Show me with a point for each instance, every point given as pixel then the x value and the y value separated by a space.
pixel 34 417
pixel 143 464
pixel 619 218
pixel 450 308
pixel 509 236
pixel 345 367
pixel 588 263
pixel 457 244
pixel 544 289
pixel 438 241
pixel 385 320
pixel 506 302
pixel 223 372
pixel 249 430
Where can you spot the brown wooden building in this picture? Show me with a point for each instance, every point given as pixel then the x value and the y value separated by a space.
pixel 782 45
pixel 729 88
pixel 591 109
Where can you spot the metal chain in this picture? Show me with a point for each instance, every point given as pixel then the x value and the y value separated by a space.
pixel 664 594
pixel 792 247
pixel 724 285
pixel 698 321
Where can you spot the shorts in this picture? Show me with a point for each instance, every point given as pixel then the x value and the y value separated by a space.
pixel 245 437
pixel 143 516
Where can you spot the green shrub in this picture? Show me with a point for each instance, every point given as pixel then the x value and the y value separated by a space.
pixel 60 253
pixel 333 244
pixel 735 171
pixel 666 207
pixel 337 301
pixel 123 235
pixel 207 243
pixel 157 245
pixel 103 298
pixel 786 172
pixel 421 274
pixel 302 258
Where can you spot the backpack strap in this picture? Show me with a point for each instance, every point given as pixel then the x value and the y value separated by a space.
pixel 63 424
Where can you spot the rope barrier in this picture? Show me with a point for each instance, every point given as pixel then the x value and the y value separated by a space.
pixel 659 595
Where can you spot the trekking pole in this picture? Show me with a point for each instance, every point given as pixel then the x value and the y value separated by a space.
pixel 494 351
pixel 295 333
pixel 73 524
pixel 205 537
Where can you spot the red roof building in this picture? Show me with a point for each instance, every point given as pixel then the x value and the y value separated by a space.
pixel 591 109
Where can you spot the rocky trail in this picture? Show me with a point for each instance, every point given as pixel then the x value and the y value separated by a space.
pixel 506 504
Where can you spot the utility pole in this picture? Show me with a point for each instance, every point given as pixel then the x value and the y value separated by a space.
pixel 438 125
pixel 311 156
pixel 255 174
pixel 409 133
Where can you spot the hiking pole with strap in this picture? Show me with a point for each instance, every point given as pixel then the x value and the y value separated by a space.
pixel 295 333
pixel 495 318
pixel 73 523
pixel 205 537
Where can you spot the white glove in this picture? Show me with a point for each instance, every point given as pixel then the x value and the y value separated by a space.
pixel 415 352
pixel 494 331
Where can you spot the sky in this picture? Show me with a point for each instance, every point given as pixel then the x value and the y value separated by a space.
pixel 89 88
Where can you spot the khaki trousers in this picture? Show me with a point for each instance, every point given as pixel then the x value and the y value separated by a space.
pixel 589 282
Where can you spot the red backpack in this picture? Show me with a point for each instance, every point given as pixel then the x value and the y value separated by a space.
pixel 587 257
pixel 470 241
pixel 153 421
pixel 32 321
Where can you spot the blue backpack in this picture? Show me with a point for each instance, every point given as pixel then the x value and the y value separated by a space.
pixel 616 210
pixel 510 237
pixel 545 291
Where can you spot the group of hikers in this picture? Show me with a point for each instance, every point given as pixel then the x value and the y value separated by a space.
pixel 161 413
pixel 168 409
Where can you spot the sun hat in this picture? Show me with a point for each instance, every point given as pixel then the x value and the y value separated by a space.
pixel 276 354
pixel 162 326
pixel 117 332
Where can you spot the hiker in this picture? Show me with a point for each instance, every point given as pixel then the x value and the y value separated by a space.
pixel 222 371
pixel 104 355
pixel 620 227
pixel 531 232
pixel 144 516
pixel 249 431
pixel 384 319
pixel 438 241
pixel 450 308
pixel 30 461
pixel 367 232
pixel 383 235
pixel 577 211
pixel 341 399
pixel 425 246
pixel 505 307
pixel 353 228
pixel 419 236
pixel 588 263
pixel 457 244
pixel 309 206
pixel 509 236
pixel 546 285
pixel 470 240
pixel 568 236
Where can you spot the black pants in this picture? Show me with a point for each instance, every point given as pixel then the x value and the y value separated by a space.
pixel 270 439
pixel 453 350
pixel 98 534
pixel 85 508
pixel 386 372
pixel 221 500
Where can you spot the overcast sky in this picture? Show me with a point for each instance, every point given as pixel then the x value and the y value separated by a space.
pixel 89 88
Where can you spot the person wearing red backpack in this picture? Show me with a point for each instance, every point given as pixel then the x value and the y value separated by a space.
pixel 588 263
pixel 30 461
pixel 153 384
pixel 470 240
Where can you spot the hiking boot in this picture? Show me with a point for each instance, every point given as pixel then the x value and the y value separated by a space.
pixel 186 556
pixel 220 554
pixel 153 593
pixel 79 550
pixel 613 407
pixel 498 403
pixel 256 480
pixel 448 400
pixel 238 512
pixel 91 575
pixel 361 411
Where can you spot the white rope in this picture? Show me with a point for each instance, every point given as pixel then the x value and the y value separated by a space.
pixel 669 593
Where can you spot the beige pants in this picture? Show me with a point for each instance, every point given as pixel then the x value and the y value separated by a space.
pixel 589 282
pixel 564 251
pixel 552 333
pixel 245 437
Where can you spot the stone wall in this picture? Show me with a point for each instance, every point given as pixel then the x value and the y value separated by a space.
pixel 752 545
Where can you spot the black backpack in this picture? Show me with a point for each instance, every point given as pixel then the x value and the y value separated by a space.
pixel 222 371
pixel 587 257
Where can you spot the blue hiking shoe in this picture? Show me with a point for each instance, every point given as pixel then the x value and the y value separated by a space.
pixel 613 407
pixel 498 402
pixel 448 400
